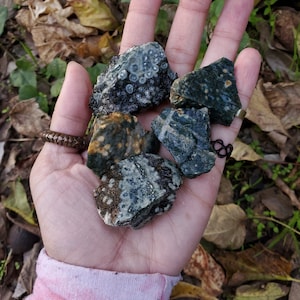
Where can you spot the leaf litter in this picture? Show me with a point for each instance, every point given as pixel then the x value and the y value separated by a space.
pixel 261 181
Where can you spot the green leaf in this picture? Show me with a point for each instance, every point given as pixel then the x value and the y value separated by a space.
pixel 170 2
pixel 17 201
pixel 245 42
pixel 56 87
pixel 42 100
pixel 27 91
pixel 162 24
pixel 215 11
pixel 57 68
pixel 25 64
pixel 3 17
pixel 21 77
pixel 95 70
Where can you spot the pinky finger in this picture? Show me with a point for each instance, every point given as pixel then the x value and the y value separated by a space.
pixel 247 68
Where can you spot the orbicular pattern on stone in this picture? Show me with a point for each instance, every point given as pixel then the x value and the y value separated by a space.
pixel 137 79
pixel 136 189
pixel 214 87
pixel 185 133
pixel 136 184
pixel 115 137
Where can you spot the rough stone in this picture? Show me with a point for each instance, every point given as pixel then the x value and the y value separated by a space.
pixel 136 189
pixel 185 132
pixel 117 136
pixel 137 79
pixel 214 87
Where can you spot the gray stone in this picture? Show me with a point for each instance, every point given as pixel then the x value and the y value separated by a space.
pixel 136 80
pixel 185 133
pixel 136 189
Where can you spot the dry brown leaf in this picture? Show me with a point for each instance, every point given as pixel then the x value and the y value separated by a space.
pixel 242 151
pixel 28 274
pixel 203 267
pixel 226 226
pixel 275 201
pixel 104 46
pixel 187 290
pixel 225 193
pixel 51 30
pixel 259 291
pixel 94 13
pixel 287 21
pixel 28 119
pixel 260 113
pixel 256 263
pixel 284 100
pixel 295 291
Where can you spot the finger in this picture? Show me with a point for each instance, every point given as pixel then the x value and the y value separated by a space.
pixel 140 23
pixel 185 36
pixel 247 67
pixel 71 114
pixel 228 31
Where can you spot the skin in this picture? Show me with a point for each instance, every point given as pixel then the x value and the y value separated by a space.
pixel 62 185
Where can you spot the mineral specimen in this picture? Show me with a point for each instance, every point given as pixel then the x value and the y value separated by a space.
pixel 115 137
pixel 136 189
pixel 135 80
pixel 214 87
pixel 185 133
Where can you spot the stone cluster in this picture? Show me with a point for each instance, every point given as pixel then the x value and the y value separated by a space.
pixel 136 183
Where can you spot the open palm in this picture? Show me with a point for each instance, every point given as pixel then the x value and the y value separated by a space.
pixel 62 186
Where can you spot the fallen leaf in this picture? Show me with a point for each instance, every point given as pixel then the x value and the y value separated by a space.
pixel 242 151
pixel 226 226
pixel 284 100
pixel 295 291
pixel 225 193
pixel 287 21
pixel 28 273
pixel 17 201
pixel 258 291
pixel 203 267
pixel 275 201
pixel 51 28
pixel 260 113
pixel 184 289
pixel 28 119
pixel 104 46
pixel 281 63
pixel 256 263
pixel 94 13
pixel 3 223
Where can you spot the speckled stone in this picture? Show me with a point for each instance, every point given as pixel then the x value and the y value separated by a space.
pixel 117 136
pixel 185 133
pixel 137 79
pixel 214 87
pixel 136 189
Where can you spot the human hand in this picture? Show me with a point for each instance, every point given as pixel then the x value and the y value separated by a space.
pixel 62 186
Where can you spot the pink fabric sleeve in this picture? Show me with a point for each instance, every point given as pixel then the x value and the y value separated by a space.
pixel 57 280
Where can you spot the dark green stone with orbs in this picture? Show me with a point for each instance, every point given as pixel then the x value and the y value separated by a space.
pixel 214 87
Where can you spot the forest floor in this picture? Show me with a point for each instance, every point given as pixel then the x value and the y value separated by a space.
pixel 250 249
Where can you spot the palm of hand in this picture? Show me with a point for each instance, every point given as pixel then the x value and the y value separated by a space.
pixel 62 186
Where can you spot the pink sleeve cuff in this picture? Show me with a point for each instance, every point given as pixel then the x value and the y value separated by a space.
pixel 58 280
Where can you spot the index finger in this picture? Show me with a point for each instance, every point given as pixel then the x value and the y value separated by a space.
pixel 140 23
